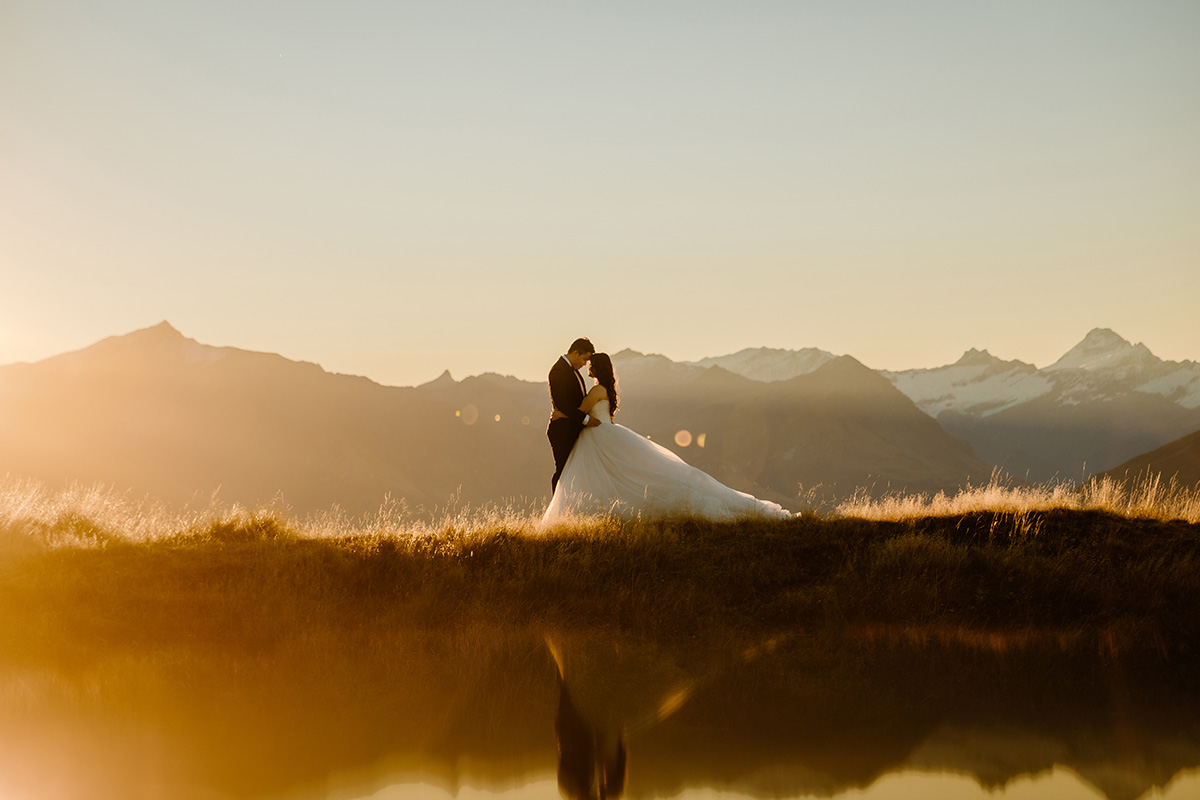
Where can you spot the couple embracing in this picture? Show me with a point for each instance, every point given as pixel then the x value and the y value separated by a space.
pixel 605 468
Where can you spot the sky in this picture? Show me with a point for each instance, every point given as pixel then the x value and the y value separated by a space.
pixel 393 189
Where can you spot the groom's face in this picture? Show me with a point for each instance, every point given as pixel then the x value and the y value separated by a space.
pixel 578 359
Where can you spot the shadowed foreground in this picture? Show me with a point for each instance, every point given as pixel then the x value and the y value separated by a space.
pixel 238 657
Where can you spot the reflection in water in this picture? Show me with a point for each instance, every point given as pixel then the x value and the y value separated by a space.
pixel 592 754
pixel 592 761
pixel 469 712
pixel 605 695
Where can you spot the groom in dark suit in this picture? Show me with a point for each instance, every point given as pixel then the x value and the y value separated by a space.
pixel 566 393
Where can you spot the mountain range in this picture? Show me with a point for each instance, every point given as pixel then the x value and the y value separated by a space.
pixel 158 413
pixel 1104 401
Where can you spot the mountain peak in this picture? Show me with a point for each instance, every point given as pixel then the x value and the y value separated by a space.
pixel 442 381
pixel 1104 337
pixel 162 332
pixel 847 366
pixel 159 344
pixel 769 363
pixel 1102 348
pixel 976 358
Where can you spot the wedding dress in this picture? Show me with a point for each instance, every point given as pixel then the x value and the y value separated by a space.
pixel 613 470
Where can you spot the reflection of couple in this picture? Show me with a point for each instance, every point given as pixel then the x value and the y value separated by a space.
pixel 605 468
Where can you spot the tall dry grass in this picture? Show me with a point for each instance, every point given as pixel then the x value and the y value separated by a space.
pixel 997 556
pixel 1147 496
pixel 33 516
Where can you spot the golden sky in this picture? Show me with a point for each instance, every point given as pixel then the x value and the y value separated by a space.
pixel 394 189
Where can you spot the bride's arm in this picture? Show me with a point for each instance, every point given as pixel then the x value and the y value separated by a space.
pixel 597 394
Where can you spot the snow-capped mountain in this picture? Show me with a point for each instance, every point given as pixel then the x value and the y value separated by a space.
pixel 978 384
pixel 1102 349
pixel 769 364
pixel 1102 367
pixel 1105 401
pixel 762 364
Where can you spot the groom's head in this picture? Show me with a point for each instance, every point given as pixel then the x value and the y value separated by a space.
pixel 579 352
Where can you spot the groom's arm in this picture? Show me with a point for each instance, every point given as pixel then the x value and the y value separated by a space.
pixel 564 394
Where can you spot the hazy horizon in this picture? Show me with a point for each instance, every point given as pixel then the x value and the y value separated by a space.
pixel 397 190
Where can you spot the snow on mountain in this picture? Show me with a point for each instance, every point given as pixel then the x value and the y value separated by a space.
pixel 1100 368
pixel 769 364
pixel 632 365
pixel 1181 385
pixel 978 383
pixel 1103 402
pixel 1103 366
pixel 1102 349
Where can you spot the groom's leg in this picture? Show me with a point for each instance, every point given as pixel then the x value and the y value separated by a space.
pixel 562 434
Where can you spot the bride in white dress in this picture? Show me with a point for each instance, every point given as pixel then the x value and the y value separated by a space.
pixel 613 470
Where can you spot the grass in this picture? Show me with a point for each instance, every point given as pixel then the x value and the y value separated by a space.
pixel 1107 565
pixel 1147 496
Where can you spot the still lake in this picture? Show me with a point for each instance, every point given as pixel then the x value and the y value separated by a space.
pixel 482 713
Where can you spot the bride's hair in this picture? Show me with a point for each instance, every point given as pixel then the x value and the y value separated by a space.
pixel 602 366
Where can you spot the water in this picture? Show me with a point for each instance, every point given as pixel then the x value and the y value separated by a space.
pixel 483 713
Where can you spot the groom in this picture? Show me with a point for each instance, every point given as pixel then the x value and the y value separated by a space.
pixel 566 393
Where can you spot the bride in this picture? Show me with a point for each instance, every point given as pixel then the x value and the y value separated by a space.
pixel 613 470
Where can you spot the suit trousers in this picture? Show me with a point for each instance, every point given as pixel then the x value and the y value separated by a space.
pixel 562 434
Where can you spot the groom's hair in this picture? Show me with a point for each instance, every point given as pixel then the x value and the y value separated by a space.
pixel 581 346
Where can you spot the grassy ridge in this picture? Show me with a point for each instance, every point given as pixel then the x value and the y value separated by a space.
pixel 246 581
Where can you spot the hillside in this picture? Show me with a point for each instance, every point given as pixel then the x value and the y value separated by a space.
pixel 1179 459
pixel 158 413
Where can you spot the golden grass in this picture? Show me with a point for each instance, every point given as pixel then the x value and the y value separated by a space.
pixel 33 516
pixel 1147 496
pixel 992 559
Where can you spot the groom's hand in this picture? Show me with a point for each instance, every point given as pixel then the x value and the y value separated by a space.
pixel 592 422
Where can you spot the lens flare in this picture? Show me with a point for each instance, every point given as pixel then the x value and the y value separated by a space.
pixel 700 439
pixel 683 438
pixel 470 414
pixel 497 418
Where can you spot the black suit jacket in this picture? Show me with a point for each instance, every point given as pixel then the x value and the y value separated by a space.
pixel 566 390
